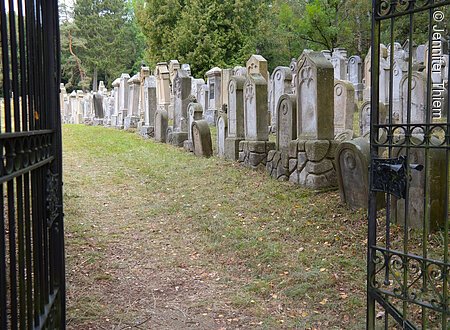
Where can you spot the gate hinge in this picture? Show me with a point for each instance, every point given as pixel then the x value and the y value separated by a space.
pixel 390 175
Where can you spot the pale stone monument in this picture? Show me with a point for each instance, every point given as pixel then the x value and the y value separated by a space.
pixel 115 114
pixel 134 91
pixel 418 98
pixel 281 81
pixel 195 112
pixel 182 90
pixel 162 85
pixel 344 106
pixel 235 116
pixel 355 76
pixel 222 134
pixel 123 99
pixel 253 150
pixel 203 97
pixel 364 117
pixel 161 125
pixel 201 139
pixel 226 76
pixel 150 106
pixel 339 61
pixel 214 77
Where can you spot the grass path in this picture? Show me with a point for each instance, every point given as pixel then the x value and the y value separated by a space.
pixel 159 239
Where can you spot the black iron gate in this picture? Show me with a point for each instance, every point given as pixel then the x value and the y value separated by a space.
pixel 32 287
pixel 408 258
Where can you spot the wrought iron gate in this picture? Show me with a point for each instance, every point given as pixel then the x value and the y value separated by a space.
pixel 32 287
pixel 408 258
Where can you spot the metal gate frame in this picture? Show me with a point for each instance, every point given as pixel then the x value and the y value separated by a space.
pixel 32 281
pixel 416 282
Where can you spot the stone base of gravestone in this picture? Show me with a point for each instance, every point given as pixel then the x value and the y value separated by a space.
pixel 311 163
pixel 147 131
pixel 178 138
pixel 98 122
pixel 278 165
pixel 253 154
pixel 232 148
pixel 201 138
pixel 161 124
pixel 211 116
pixel 188 146
pixel 130 122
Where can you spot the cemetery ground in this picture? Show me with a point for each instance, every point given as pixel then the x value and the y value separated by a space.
pixel 157 238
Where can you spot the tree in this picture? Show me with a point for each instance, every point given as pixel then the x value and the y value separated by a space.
pixel 101 42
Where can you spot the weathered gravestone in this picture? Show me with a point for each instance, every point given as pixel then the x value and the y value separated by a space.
pixel 73 106
pixel 339 62
pixel 344 106
pixel 253 150
pixel 435 171
pixel 222 133
pixel 98 108
pixel 235 117
pixel 418 95
pixel 314 150
pixel 80 107
pixel 355 76
pixel 201 139
pixel 149 105
pixel 134 87
pixel 203 95
pixel 123 99
pixel 195 112
pixel 383 75
pixel 281 81
pixel 364 117
pixel 115 114
pixel 215 100
pixel 174 66
pixel 162 85
pixel 182 90
pixel 278 160
pixel 161 125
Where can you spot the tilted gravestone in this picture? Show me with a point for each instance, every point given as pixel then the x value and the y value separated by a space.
pixel 235 117
pixel 253 150
pixel 278 160
pixel 201 138
pixel 313 152
pixel 344 106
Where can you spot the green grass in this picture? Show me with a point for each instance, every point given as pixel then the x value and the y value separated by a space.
pixel 283 254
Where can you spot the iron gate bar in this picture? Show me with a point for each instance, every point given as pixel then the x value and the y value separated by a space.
pixel 384 10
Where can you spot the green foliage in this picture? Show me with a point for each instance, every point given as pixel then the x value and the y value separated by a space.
pixel 105 41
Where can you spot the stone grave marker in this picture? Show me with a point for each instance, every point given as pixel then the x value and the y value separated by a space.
pixel 344 106
pixel 134 90
pixel 235 116
pixel 214 77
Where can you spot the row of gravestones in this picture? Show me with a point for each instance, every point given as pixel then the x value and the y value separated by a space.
pixel 308 118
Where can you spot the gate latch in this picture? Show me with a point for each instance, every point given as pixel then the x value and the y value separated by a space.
pixel 390 175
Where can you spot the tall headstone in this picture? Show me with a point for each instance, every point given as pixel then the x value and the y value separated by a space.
pixel 161 125
pixel 80 107
pixel 62 98
pixel 226 76
pixel 203 97
pixel 150 106
pixel 312 154
pixel 197 88
pixel 182 92
pixel 222 133
pixel 115 114
pixel 344 106
pixel 383 77
pixel 73 108
pixel 174 66
pixel 400 70
pixel 98 108
pixel 235 117
pixel 201 138
pixel 162 85
pixel 355 76
pixel 418 96
pixel 134 90
pixel 281 80
pixel 339 61
pixel 253 150
pixel 123 99
pixel 215 100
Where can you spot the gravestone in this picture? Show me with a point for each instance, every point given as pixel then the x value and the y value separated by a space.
pixel 161 125
pixel 278 160
pixel 80 107
pixel 115 114
pixel 235 117
pixel 383 76
pixel 355 76
pixel 311 155
pixel 339 62
pixel 420 54
pixel 110 104
pixel 62 99
pixel 364 117
pixel 98 108
pixel 195 112
pixel 73 107
pixel 197 88
pixel 281 80
pixel 162 85
pixel 150 106
pixel 201 139
pixel 418 98
pixel 123 99
pixel 215 100
pixel 226 76
pixel 186 68
pixel 222 132
pixel 293 68
pixel 435 170
pixel 134 88
pixel 344 106
pixel 400 70
pixel 253 150
pixel 174 66
pixel 182 90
